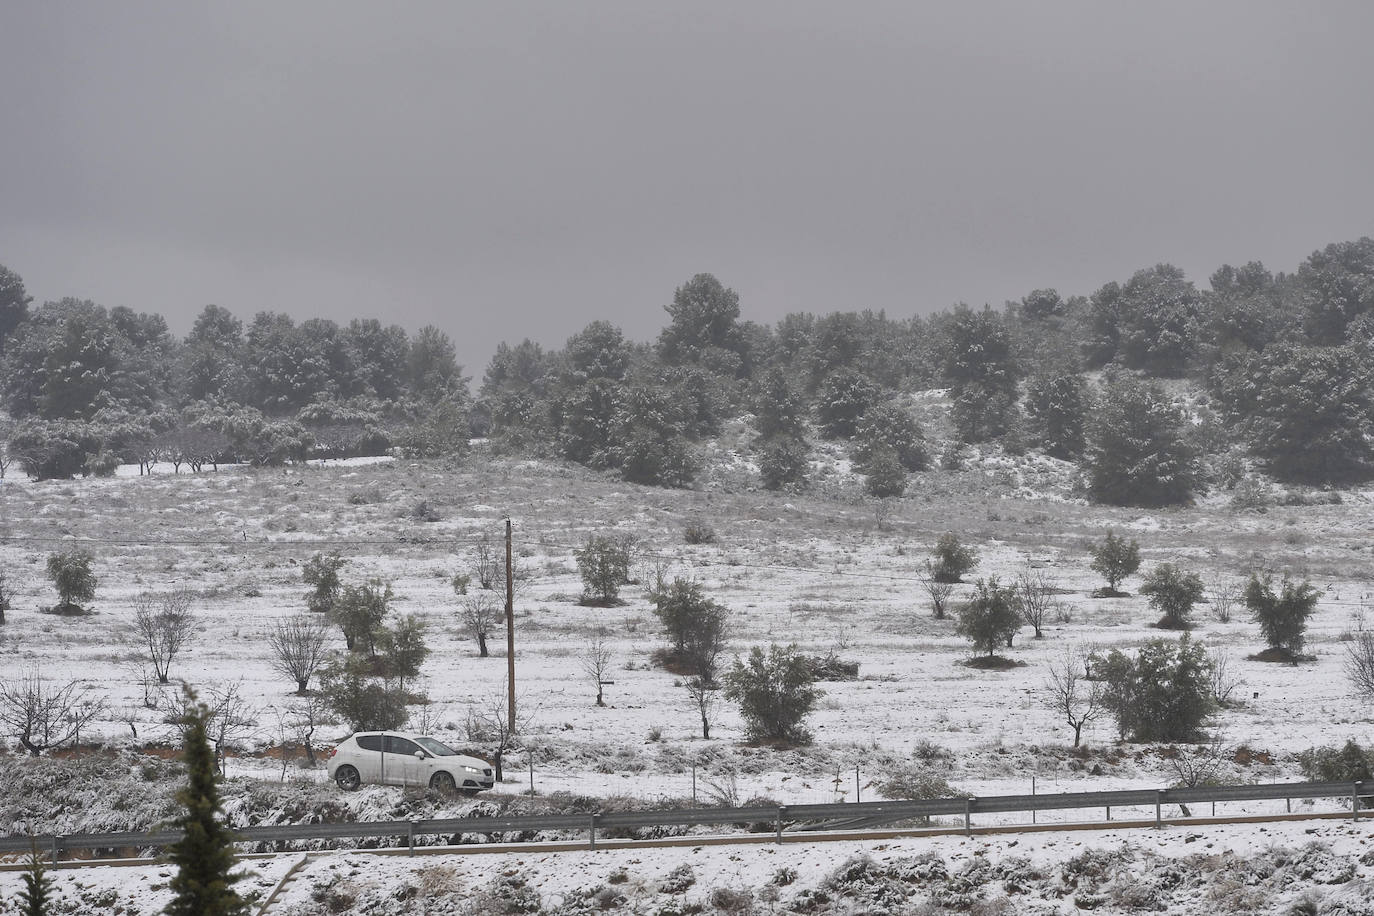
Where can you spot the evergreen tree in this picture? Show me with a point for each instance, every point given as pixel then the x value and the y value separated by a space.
pixel 1137 452
pixel 784 462
pixel 1338 287
pixel 990 618
pixel 883 471
pixel 775 693
pixel 1282 615
pixel 1056 408
pixel 14 304
pixel 894 429
pixel 1172 592
pixel 779 408
pixel 204 856
pixel 1115 558
pixel 843 399
pixel 37 891
pixel 1308 412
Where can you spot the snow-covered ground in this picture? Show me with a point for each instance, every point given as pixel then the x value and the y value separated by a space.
pixel 1299 867
pixel 827 570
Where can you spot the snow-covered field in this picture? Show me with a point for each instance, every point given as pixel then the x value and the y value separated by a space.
pixel 827 570
pixel 1320 867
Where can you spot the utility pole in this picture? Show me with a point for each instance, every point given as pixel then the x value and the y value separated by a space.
pixel 510 636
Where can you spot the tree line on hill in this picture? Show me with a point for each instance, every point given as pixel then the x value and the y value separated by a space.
pixel 1282 367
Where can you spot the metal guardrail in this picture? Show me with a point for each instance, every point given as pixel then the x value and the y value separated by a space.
pixel 776 817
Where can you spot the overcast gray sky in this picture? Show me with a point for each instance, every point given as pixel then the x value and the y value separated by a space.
pixel 515 169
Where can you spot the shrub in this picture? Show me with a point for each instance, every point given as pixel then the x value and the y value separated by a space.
pixel 1348 763
pixel 885 475
pixel 775 693
pixel 699 533
pixel 71 575
pixel 784 462
pixel 890 427
pixel 1164 693
pixel 1282 616
pixel 1173 592
pixel 1115 558
pixel 990 618
pixel 693 624
pixel 359 613
pixel 952 559
pixel 604 563
pixel 365 702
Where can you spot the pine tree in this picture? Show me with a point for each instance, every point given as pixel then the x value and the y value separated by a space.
pixel 204 856
pixel 1137 454
pixel 35 897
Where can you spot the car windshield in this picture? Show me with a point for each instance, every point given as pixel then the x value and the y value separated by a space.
pixel 438 749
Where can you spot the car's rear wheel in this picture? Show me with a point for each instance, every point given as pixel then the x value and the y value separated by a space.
pixel 347 777
pixel 443 784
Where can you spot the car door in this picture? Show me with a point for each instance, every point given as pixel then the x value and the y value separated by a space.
pixel 369 758
pixel 403 767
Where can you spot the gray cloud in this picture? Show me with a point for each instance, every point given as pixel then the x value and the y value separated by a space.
pixel 508 170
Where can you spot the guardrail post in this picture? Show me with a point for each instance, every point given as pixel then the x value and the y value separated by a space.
pixel 56 847
pixel 410 837
pixel 1288 804
pixel 1159 819
pixel 1355 801
pixel 591 831
pixel 1109 812
pixel 968 815
pixel 778 825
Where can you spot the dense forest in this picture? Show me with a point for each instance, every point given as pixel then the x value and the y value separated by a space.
pixel 1279 372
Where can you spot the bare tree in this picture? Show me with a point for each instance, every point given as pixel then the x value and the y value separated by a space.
pixel 297 724
pixel 489 722
pixel 489 566
pixel 1069 692
pixel 1223 680
pixel 163 623
pixel 1199 765
pixel 482 613
pixel 939 592
pixel 1035 599
pixel 232 717
pixel 1224 595
pixel 144 677
pixel 44 715
pixel 6 594
pixel 298 648
pixel 1359 664
pixel 596 661
pixel 703 692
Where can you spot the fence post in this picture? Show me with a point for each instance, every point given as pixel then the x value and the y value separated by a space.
pixel 968 812
pixel 1159 820
pixel 694 783
pixel 410 836
pixel 1032 794
pixel 591 831
pixel 778 825
pixel 1355 801
pixel 857 791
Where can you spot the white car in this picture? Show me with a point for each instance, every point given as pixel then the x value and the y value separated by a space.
pixel 403 759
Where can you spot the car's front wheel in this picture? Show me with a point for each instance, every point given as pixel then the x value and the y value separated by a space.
pixel 347 777
pixel 443 784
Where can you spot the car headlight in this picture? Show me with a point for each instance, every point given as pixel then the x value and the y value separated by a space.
pixel 468 769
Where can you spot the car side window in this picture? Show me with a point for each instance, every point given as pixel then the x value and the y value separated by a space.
pixel 370 742
pixel 396 745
